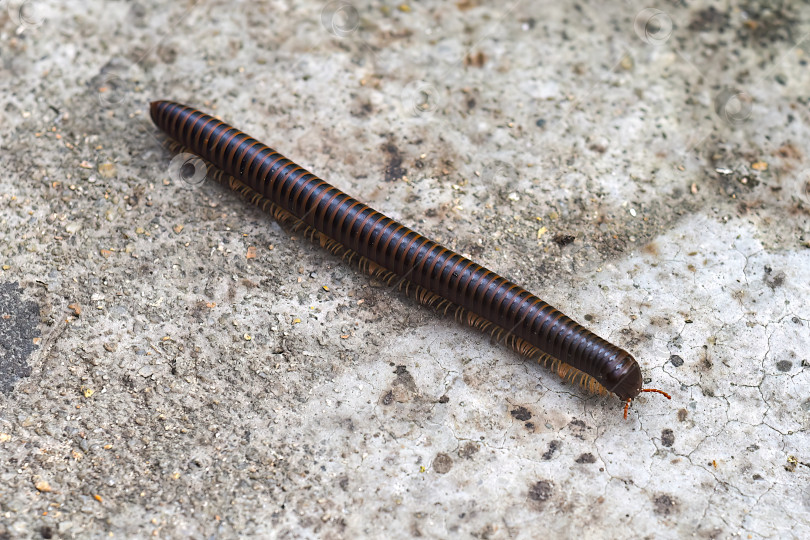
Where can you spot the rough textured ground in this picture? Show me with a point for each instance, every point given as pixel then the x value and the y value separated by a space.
pixel 646 172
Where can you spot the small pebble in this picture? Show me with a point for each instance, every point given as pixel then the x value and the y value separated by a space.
pixel 107 170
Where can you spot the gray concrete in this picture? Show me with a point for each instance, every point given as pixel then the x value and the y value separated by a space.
pixel 650 179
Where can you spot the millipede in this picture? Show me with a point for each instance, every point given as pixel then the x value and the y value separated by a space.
pixel 429 272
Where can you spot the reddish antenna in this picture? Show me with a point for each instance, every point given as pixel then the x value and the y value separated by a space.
pixel 630 400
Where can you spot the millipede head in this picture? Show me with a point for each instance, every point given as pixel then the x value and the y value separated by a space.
pixel 623 377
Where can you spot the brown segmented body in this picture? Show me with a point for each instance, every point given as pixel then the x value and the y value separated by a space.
pixel 441 277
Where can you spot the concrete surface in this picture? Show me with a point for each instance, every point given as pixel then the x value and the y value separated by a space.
pixel 644 171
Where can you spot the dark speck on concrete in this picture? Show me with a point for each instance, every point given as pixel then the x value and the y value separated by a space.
pixel 676 360
pixel 784 365
pixel 665 505
pixel 521 413
pixel 468 450
pixel 774 281
pixel 563 240
pixel 708 19
pixel 553 446
pixel 586 458
pixel 18 328
pixel 667 437
pixel 578 428
pixel 393 169
pixel 541 491
pixel 442 463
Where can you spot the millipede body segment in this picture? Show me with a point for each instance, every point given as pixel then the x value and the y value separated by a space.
pixel 439 276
